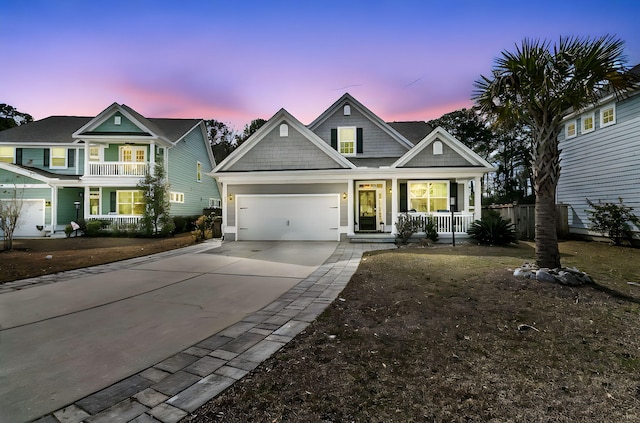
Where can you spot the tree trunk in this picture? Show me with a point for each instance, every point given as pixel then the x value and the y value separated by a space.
pixel 546 172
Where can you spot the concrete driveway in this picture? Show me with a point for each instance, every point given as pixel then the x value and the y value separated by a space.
pixel 63 341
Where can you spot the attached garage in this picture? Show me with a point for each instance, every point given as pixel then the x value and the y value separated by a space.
pixel 31 215
pixel 288 217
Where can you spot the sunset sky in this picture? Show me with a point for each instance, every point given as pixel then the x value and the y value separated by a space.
pixel 235 61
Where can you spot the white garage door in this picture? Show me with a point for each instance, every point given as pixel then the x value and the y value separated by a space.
pixel 31 214
pixel 288 217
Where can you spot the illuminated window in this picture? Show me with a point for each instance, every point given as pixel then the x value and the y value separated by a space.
pixel 347 140
pixel 94 201
pixel 136 154
pixel 6 154
pixel 199 172
pixel 570 129
pixel 95 154
pixel 428 197
pixel 58 158
pixel 130 202
pixel 608 115
pixel 588 123
pixel 176 197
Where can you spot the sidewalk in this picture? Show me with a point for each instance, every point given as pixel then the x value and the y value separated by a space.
pixel 177 386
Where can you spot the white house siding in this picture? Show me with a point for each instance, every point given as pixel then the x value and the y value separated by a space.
pixel 602 165
pixel 182 174
pixel 376 142
pixel 275 189
pixel 293 152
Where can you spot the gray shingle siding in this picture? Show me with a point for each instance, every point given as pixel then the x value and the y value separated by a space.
pixel 293 152
pixel 602 165
pixel 448 158
pixel 376 142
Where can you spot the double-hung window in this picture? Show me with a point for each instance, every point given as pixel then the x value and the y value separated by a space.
pixel 6 154
pixel 176 197
pixel 58 158
pixel 130 202
pixel 428 196
pixel 347 140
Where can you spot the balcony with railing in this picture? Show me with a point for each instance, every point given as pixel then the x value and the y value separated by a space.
pixel 124 169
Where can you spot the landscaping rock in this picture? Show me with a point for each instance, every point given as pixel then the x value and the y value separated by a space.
pixel 563 276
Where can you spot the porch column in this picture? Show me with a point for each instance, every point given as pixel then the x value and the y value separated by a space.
pixel 152 157
pixel 224 207
pixel 477 200
pixel 54 209
pixel 394 205
pixel 87 154
pixel 350 206
pixel 85 203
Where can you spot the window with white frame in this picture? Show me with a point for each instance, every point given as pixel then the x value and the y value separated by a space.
pixel 7 154
pixel 428 196
pixel 437 148
pixel 347 140
pixel 570 130
pixel 215 203
pixel 58 158
pixel 588 123
pixel 284 130
pixel 94 201
pixel 95 153
pixel 176 197
pixel 608 115
pixel 130 202
pixel 199 172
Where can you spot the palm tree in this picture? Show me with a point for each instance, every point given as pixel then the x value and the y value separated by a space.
pixel 536 86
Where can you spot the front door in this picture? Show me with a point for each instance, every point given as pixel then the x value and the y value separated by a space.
pixel 367 210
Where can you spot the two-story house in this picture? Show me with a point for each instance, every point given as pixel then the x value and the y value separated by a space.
pixel 346 174
pixel 600 157
pixel 64 168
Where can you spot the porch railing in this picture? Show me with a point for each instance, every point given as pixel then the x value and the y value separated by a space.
pixel 117 169
pixel 461 221
pixel 111 221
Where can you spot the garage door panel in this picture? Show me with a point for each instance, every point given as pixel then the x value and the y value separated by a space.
pixel 31 215
pixel 288 217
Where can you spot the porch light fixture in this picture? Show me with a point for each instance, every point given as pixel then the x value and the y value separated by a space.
pixel 344 195
pixel 230 197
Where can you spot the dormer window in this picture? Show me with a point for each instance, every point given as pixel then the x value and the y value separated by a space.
pixel 608 115
pixel 117 120
pixel 346 110
pixel 570 129
pixel 437 148
pixel 284 130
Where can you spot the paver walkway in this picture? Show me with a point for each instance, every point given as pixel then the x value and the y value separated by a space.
pixel 178 385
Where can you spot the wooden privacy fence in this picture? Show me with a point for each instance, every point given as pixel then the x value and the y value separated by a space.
pixel 523 216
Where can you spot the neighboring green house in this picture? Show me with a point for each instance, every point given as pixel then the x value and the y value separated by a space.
pixel 66 167
pixel 348 174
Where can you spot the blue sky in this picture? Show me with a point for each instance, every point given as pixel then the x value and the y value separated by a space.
pixel 235 61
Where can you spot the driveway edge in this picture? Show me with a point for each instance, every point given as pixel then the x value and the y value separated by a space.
pixel 173 388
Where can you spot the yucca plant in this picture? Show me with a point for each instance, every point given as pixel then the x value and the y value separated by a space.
pixel 493 230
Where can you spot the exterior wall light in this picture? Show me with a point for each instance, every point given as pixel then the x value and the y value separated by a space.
pixel 344 195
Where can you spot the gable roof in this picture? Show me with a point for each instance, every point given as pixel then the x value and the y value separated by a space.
pixel 414 131
pixel 272 123
pixel 51 130
pixel 441 134
pixel 351 101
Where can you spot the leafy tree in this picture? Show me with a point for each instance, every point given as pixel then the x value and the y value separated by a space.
pixel 470 128
pixel 10 117
pixel 249 130
pixel 155 191
pixel 536 86
pixel 222 139
pixel 10 212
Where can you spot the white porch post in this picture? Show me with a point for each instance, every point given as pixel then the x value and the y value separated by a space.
pixel 152 157
pixel 54 208
pixel 85 203
pixel 87 154
pixel 394 205
pixel 224 207
pixel 477 200
pixel 350 205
